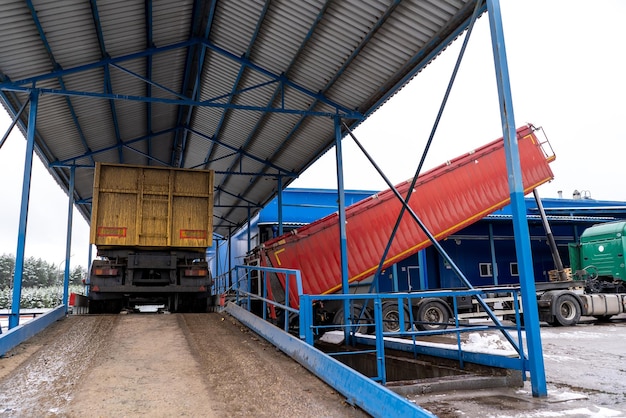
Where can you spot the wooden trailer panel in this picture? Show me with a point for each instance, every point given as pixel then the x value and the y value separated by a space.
pixel 151 207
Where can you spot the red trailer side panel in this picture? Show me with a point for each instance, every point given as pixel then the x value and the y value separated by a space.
pixel 446 199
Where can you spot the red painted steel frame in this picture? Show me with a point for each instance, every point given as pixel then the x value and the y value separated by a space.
pixel 446 198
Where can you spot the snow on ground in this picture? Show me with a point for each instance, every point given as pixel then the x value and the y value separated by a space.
pixel 591 412
pixel 488 344
pixel 476 342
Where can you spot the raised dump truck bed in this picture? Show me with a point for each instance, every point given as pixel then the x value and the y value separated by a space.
pixel 152 226
pixel 446 198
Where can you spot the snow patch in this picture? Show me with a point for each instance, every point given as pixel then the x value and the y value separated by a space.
pixel 593 412
pixel 333 337
pixel 575 335
pixel 559 358
pixel 487 344
pixel 565 396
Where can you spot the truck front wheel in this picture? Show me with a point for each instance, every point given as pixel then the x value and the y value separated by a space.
pixel 360 319
pixel 566 311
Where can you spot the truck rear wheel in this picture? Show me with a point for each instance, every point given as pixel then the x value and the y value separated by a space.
pixel 96 306
pixel 566 311
pixel 432 315
pixel 391 318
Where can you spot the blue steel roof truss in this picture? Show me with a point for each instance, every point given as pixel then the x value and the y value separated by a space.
pixel 149 44
pixel 289 137
pixel 235 86
pixel 108 87
pixel 108 93
pixel 185 99
pixel 191 72
pixel 56 65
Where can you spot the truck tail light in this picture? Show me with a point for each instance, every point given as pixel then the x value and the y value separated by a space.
pixel 105 271
pixel 196 272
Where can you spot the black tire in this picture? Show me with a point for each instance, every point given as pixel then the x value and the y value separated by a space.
pixel 113 306
pixel 200 305
pixel 432 315
pixel 566 311
pixel 603 318
pixel 364 322
pixel 96 307
pixel 391 318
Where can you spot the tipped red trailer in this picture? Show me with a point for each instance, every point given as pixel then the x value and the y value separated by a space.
pixel 447 198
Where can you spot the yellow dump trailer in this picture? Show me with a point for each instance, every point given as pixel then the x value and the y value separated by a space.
pixel 151 226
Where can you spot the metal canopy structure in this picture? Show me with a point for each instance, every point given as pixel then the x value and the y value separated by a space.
pixel 255 90
pixel 249 89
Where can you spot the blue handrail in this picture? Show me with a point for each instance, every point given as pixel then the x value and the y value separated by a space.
pixel 308 330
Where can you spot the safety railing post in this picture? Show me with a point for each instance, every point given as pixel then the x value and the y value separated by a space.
pixel 264 293
pixel 458 333
pixel 306 329
pixel 401 318
pixel 516 294
pixel 287 286
pixel 380 342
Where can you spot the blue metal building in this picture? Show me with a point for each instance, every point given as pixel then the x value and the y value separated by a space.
pixel 299 207
pixel 484 251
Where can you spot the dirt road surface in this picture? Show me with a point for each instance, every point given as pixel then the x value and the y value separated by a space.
pixel 192 365
pixel 209 365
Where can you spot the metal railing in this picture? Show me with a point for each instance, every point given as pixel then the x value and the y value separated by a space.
pixel 367 323
pixel 240 286
pixel 409 328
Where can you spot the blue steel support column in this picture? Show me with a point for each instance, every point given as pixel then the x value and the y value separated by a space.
pixel 14 319
pixel 343 241
pixel 249 231
pixel 280 205
pixel 230 260
pixel 68 244
pixel 494 264
pixel 520 226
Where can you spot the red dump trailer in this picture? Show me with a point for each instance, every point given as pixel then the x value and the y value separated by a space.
pixel 447 198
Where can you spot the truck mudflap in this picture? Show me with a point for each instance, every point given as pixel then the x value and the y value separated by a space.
pixel 560 307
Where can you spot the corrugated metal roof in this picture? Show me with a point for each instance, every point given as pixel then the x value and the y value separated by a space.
pixel 247 88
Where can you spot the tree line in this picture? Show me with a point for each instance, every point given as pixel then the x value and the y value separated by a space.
pixel 37 273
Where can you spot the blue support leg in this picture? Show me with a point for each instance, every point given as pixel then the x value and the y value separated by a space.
pixel 14 319
pixel 68 246
pixel 520 226
pixel 343 245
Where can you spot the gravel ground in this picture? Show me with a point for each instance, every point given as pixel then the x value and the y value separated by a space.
pixel 194 365
pixel 209 365
pixel 585 374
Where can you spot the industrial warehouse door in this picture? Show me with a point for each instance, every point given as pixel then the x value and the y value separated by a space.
pixel 413 278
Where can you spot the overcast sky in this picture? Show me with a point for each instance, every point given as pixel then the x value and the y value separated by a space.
pixel 566 65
